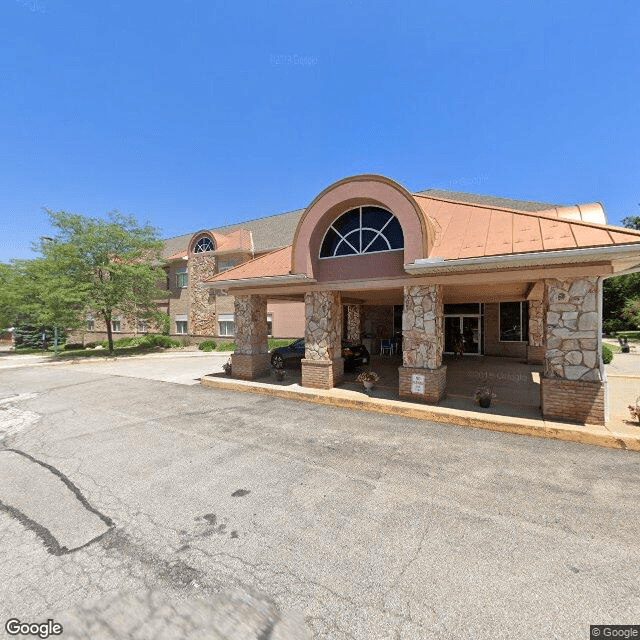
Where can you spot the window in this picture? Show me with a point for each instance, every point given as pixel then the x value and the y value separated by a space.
pixel 181 326
pixel 182 278
pixel 90 322
pixel 362 230
pixel 269 324
pixel 142 326
pixel 514 321
pixel 226 324
pixel 228 263
pixel 115 326
pixel 204 244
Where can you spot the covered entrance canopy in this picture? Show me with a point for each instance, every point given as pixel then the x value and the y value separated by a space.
pixel 513 278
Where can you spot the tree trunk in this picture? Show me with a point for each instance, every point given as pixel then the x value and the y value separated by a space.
pixel 107 320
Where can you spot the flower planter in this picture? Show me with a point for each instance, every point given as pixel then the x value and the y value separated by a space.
pixel 368 384
pixel 485 403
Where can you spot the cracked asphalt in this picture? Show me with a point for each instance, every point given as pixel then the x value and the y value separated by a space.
pixel 242 516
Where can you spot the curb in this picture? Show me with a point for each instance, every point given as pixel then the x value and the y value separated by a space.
pixel 521 426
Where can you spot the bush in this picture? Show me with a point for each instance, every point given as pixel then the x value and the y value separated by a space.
pixel 73 345
pixel 207 345
pixel 226 346
pixel 154 340
pixel 613 325
pixel 607 354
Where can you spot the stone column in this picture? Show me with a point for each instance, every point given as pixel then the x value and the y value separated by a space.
pixel 422 374
pixel 571 386
pixel 251 358
pixel 202 302
pixel 322 366
pixel 355 318
pixel 535 348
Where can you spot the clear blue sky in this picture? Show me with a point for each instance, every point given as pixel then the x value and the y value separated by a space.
pixel 196 114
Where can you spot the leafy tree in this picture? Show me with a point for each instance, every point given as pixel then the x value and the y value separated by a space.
pixel 621 294
pixel 108 266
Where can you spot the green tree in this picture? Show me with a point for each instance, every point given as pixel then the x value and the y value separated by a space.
pixel 621 294
pixel 107 266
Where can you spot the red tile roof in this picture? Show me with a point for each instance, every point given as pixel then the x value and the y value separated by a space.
pixel 473 231
pixel 276 263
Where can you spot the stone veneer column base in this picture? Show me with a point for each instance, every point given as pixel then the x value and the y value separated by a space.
pixel 574 400
pixel 250 367
pixel 435 383
pixel 322 374
pixel 535 355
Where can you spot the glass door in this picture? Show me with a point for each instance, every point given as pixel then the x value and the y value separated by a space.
pixel 465 328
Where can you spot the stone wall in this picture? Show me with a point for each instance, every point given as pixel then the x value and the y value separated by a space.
pixel 251 325
pixel 322 366
pixel 323 330
pixel 355 317
pixel 423 327
pixel 572 326
pixel 202 301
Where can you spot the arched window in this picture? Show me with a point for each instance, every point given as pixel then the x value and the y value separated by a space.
pixel 366 229
pixel 204 244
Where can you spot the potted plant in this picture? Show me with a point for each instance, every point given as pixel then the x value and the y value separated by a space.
pixel 484 396
pixel 368 379
pixel 635 410
pixel 279 373
pixel 227 367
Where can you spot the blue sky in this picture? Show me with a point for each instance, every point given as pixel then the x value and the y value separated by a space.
pixel 196 114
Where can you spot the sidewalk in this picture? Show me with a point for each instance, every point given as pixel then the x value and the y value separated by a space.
pixel 619 433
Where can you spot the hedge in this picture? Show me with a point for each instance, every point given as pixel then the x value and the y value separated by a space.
pixel 607 354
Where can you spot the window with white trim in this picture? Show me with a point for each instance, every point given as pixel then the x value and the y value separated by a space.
pixel 226 324
pixel 182 278
pixel 90 322
pixel 269 324
pixel 365 229
pixel 142 326
pixel 203 244
pixel 228 263
pixel 116 325
pixel 181 326
pixel 514 321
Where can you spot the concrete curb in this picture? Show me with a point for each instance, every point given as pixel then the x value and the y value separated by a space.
pixel 584 434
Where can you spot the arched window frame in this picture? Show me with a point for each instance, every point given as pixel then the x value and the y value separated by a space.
pixel 360 228
pixel 199 240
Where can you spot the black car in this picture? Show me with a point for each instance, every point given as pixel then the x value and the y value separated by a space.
pixel 354 355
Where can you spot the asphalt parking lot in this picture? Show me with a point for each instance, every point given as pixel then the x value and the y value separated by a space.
pixel 128 502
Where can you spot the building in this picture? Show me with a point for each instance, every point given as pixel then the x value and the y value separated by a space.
pixel 368 260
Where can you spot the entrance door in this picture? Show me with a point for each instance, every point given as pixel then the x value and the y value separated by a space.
pixel 465 327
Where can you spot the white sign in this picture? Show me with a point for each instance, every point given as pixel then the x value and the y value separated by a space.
pixel 417 384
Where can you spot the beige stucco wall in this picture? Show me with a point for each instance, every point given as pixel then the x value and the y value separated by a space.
pixel 288 319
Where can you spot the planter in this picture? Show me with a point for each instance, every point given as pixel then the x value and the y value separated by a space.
pixel 368 384
pixel 280 374
pixel 485 403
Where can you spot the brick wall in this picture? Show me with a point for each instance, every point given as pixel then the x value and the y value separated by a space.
pixel 435 384
pixel 574 400
pixel 322 374
pixel 249 367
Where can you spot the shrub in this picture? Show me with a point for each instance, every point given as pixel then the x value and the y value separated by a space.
pixel 607 354
pixel 226 346
pixel 73 345
pixel 274 343
pixel 629 335
pixel 207 345
pixel 154 340
pixel 613 325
